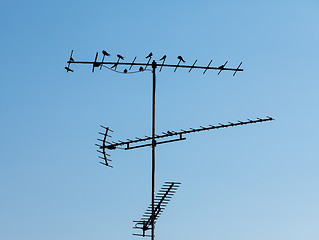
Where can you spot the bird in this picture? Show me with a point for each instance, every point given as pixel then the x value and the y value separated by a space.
pixel 181 59
pixel 105 53
pixel 141 69
pixel 149 55
pixel 222 66
pixel 125 70
pixel 163 58
pixel 120 57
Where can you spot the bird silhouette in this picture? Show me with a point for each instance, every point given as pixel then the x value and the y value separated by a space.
pixel 141 69
pixel 120 57
pixel 149 55
pixel 222 66
pixel 181 59
pixel 163 58
pixel 105 53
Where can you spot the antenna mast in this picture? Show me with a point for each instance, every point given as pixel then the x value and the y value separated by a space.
pixel 152 141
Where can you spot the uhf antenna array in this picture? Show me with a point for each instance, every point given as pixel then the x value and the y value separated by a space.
pixel 173 135
pixel 162 198
pixel 151 65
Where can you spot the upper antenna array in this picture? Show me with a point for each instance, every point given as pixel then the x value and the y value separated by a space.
pixel 112 65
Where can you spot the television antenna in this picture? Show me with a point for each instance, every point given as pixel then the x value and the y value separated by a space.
pixel 162 198
pixel 151 141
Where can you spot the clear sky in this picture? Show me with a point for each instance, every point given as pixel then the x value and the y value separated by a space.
pixel 251 182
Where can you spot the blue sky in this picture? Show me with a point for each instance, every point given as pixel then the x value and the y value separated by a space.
pixel 250 182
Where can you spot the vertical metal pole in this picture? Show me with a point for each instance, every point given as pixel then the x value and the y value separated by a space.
pixel 154 65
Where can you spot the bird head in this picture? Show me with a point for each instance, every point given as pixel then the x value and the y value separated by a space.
pixel 180 58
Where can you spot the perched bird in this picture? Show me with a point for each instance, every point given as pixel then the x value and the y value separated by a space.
pixel 222 66
pixel 120 57
pixel 125 70
pixel 105 53
pixel 149 55
pixel 181 59
pixel 141 69
pixel 163 58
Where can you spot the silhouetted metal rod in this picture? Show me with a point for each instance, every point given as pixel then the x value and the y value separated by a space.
pixel 141 235
pixel 154 65
pixel 192 130
pixel 97 64
pixel 157 143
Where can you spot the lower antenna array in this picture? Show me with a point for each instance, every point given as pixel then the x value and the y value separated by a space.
pixel 162 198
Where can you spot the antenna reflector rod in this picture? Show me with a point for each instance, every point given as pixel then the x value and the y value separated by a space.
pixel 95 64
pixel 132 64
pixel 149 56
pixel 222 67
pixel 207 66
pixel 162 59
pixel 237 68
pixel 192 66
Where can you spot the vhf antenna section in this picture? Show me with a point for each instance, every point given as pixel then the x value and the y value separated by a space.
pixel 113 65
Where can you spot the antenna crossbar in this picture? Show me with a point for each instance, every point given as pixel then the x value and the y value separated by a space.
pixel 97 64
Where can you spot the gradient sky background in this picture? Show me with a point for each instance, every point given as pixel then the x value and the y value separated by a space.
pixel 250 182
